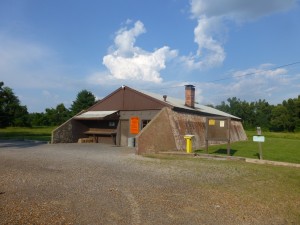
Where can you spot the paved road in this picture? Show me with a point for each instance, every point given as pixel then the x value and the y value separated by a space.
pixel 102 184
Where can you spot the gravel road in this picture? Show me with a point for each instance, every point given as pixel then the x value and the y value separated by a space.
pixel 102 184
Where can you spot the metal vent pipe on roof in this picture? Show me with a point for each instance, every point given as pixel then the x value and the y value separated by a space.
pixel 165 98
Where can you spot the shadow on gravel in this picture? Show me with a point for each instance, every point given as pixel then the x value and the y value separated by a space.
pixel 19 144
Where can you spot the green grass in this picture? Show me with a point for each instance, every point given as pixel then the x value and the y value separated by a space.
pixel 283 147
pixel 267 134
pixel 239 185
pixel 26 133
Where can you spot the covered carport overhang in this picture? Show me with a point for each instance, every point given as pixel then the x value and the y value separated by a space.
pixel 101 125
pixel 97 115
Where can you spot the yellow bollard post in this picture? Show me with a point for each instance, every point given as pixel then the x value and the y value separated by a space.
pixel 189 145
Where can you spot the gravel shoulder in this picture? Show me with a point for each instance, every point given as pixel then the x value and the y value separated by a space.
pixel 103 184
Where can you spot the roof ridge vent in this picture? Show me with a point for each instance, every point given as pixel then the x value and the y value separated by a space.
pixel 165 97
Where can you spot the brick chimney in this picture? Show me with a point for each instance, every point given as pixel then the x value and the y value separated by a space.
pixel 190 96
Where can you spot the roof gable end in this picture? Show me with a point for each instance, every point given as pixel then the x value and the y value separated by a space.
pixel 126 98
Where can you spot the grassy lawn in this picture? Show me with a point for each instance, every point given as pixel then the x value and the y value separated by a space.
pixel 238 185
pixel 26 133
pixel 283 147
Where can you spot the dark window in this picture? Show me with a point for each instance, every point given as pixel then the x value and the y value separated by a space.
pixel 144 123
pixel 111 124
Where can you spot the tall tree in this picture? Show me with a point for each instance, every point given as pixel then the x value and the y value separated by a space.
pixel 239 108
pixel 279 118
pixel 38 119
pixel 297 102
pixel 56 116
pixel 12 113
pixel 84 100
pixel 263 111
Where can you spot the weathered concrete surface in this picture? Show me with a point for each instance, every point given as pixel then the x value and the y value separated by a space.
pixel 275 163
pixel 69 132
pixel 157 136
pixel 235 158
pixel 167 129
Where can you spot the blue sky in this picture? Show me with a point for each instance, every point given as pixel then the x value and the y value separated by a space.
pixel 52 49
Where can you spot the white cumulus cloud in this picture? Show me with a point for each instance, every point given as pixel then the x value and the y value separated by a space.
pixel 238 10
pixel 211 16
pixel 210 52
pixel 262 82
pixel 128 61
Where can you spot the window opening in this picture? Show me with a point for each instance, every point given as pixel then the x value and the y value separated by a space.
pixel 144 123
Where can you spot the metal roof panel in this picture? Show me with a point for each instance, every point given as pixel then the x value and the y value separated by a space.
pixel 95 114
pixel 179 103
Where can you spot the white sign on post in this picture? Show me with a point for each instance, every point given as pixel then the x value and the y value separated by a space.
pixel 259 138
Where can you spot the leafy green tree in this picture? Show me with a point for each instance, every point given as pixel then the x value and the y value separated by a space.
pixel 84 100
pixel 56 116
pixel 223 107
pixel 263 111
pixel 239 108
pixel 21 117
pixel 279 118
pixel 38 119
pixel 62 114
pixel 293 108
pixel 283 117
pixel 297 113
pixel 12 113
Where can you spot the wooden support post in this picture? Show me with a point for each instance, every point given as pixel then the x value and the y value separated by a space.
pixel 260 151
pixel 228 148
pixel 258 129
pixel 228 135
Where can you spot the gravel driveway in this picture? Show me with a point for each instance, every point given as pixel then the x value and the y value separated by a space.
pixel 102 184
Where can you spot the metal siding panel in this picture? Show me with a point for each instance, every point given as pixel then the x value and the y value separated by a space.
pixel 127 99
pixel 112 102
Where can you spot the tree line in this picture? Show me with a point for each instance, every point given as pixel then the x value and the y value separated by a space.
pixel 13 114
pixel 281 117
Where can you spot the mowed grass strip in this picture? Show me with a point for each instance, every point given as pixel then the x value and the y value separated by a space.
pixel 26 133
pixel 236 185
pixel 284 147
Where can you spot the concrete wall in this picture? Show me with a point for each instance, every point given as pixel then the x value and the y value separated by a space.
pixel 157 135
pixel 237 132
pixel 124 127
pixel 166 132
pixel 68 132
pixel 182 124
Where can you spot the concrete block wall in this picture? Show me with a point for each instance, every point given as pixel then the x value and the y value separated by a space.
pixel 183 124
pixel 237 132
pixel 68 132
pixel 157 136
pixel 166 132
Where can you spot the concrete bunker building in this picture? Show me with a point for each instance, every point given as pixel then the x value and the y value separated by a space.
pixel 156 122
